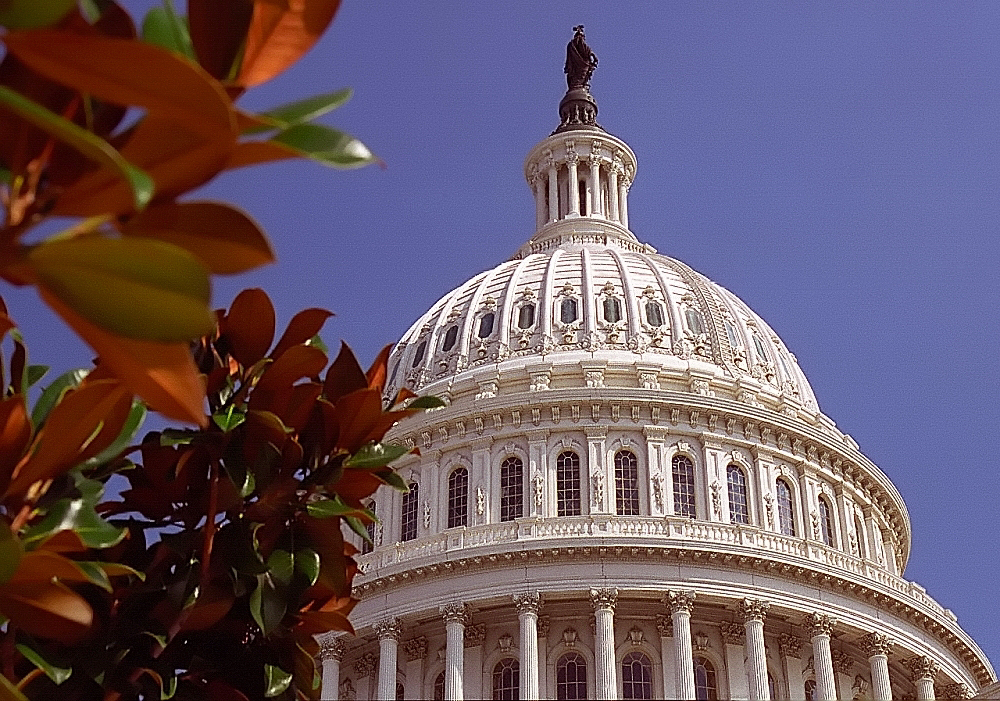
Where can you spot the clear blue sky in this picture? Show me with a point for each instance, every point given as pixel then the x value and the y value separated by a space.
pixel 833 164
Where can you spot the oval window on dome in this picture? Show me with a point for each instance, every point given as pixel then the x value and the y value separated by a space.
pixel 758 343
pixel 695 322
pixel 486 324
pixel 612 310
pixel 450 336
pixel 568 310
pixel 734 337
pixel 526 316
pixel 654 314
pixel 419 355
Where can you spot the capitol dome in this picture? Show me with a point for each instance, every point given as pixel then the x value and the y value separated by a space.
pixel 632 492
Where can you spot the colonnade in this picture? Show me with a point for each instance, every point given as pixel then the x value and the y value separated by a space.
pixel 680 604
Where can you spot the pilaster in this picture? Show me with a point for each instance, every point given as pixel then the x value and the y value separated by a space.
pixel 604 601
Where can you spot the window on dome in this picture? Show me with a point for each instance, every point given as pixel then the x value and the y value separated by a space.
pixel 786 517
pixel 568 484
pixel 859 533
pixel 571 677
pixel 733 335
pixel 506 679
pixel 419 355
pixel 736 481
pixel 612 310
pixel 695 321
pixel 706 687
pixel 654 314
pixel 511 489
pixel 439 687
pixel 568 310
pixel 395 369
pixel 637 676
pixel 486 324
pixel 683 477
pixel 368 545
pixel 408 515
pixel 526 316
pixel 626 484
pixel 826 531
pixel 758 344
pixel 583 198
pixel 450 336
pixel 458 498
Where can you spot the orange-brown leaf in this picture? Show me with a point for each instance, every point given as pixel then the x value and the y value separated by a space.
pixel 280 33
pixel 303 326
pixel 163 374
pixel 214 602
pixel 218 30
pixel 377 373
pixel 44 566
pixel 249 326
pixel 225 238
pixel 294 364
pixel 344 376
pixel 15 433
pixel 359 416
pixel 46 609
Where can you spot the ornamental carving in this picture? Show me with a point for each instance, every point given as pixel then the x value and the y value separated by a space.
pixel 922 668
pixel 876 644
pixel 957 690
pixel 347 690
pixel 475 635
pixel 657 483
pixel 716 488
pixel 789 645
pixel 389 629
pixel 505 642
pixel 635 636
pixel 595 378
pixel 753 610
pixel 648 380
pixel 455 613
pixel 664 625
pixel 480 501
pixel 680 601
pixel 569 637
pixel 427 514
pixel 842 662
pixel 415 648
pixel 603 598
pixel 366 665
pixel 733 633
pixel 331 648
pixel 543 626
pixel 528 602
pixel 597 482
pixel 820 624
pixel 537 485
pixel 769 508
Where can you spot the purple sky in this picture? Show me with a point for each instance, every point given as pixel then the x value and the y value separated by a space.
pixel 833 164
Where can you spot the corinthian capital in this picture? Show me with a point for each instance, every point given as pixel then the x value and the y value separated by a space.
pixel 331 648
pixel 455 612
pixel 389 629
pixel 876 644
pixel 528 602
pixel 753 610
pixel 603 598
pixel 922 668
pixel 415 648
pixel 820 624
pixel 680 601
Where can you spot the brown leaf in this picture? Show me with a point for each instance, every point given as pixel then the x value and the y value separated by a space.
pixel 46 609
pixel 377 373
pixel 303 326
pixel 361 419
pixel 344 376
pixel 15 433
pixel 249 326
pixel 214 602
pixel 251 153
pixel 280 33
pixel 296 363
pixel 226 239
pixel 218 31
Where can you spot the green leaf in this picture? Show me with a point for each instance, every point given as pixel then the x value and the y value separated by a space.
pixel 178 436
pixel 36 373
pixel 281 564
pixel 267 604
pixel 4 176
pixel 392 478
pixel 327 508
pixel 229 418
pixel 11 551
pixel 57 674
pixel 52 393
pixel 326 145
pixel 358 526
pixel 277 680
pixel 90 145
pixel 317 342
pixel 163 27
pixel 136 416
pixel 307 564
pixel 376 455
pixel 305 110
pixel 133 287
pixel 9 692
pixel 78 515
pixel 30 14
pixel 95 573
pixel 426 402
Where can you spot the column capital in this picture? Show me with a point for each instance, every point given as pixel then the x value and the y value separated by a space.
pixel 922 668
pixel 475 634
pixel 366 665
pixel 733 633
pixel 543 626
pixel 604 598
pixel 331 647
pixel 388 629
pixel 680 601
pixel 956 690
pixel 664 625
pixel 820 624
pixel 753 610
pixel 876 644
pixel 528 602
pixel 415 648
pixel 455 612
pixel 789 645
pixel 842 662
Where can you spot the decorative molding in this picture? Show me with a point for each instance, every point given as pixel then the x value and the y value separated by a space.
pixel 753 610
pixel 842 662
pixel 700 641
pixel 569 637
pixel 956 690
pixel 635 636
pixel 475 634
pixel 331 647
pixel 415 648
pixel 543 626
pixel 820 624
pixel 528 602
pixel 505 642
pixel 922 668
pixel 789 645
pixel 388 629
pixel 455 612
pixel 605 598
pixel 876 644
pixel 733 633
pixel 664 625
pixel 366 665
pixel 680 601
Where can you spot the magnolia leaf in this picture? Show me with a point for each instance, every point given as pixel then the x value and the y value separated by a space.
pixel 303 328
pixel 218 32
pixel 327 508
pixel 53 392
pixel 280 33
pixel 57 674
pixel 267 603
pixel 358 526
pixel 426 402
pixel 302 111
pixel 376 455
pixel 307 564
pixel 163 27
pixel 249 326
pixel 47 609
pixel 137 288
pixel 29 14
pixel 77 514
pixel 136 417
pixel 96 574
pixel 229 418
pixel 15 434
pixel 276 680
pixel 35 373
pixel 11 552
pixel 326 145
pixel 91 146
pixel 281 565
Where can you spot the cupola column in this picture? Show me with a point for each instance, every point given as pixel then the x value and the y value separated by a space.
pixel 923 670
pixel 604 601
pixel 623 186
pixel 455 617
pixel 820 628
pixel 388 632
pixel 553 190
pixel 541 215
pixel 613 192
pixel 753 612
pixel 878 646
pixel 573 180
pixel 681 604
pixel 527 615
pixel 331 652
pixel 596 206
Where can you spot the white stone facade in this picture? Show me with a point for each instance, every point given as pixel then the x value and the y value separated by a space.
pixel 632 492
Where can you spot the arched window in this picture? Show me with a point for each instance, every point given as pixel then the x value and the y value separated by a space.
pixel 694 319
pixel 758 344
pixel 612 310
pixel 705 686
pixel 408 517
pixel 439 687
pixel 654 314
pixel 733 335
pixel 526 316
pixel 450 336
pixel 786 518
pixel 506 679
pixel 567 310
pixel 626 483
pixel 736 481
pixel 511 489
pixel 568 484
pixel 571 677
pixel 486 324
pixel 368 545
pixel 458 498
pixel 400 691
pixel 859 534
pixel 637 676
pixel 683 473
pixel 826 532
pixel 810 689
pixel 419 355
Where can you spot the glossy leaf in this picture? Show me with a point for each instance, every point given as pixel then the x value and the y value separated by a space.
pixel 167 288
pixel 280 33
pixel 276 680
pixel 53 392
pixel 305 110
pixel 249 326
pixel 326 145
pixel 96 574
pixel 15 433
pixel 281 565
pixel 77 514
pixel 229 418
pixel 9 692
pixel 35 373
pixel 344 376
pixel 226 239
pixel 426 402
pixel 11 552
pixel 307 564
pixel 267 604
pixel 296 363
pixel 57 674
pixel 376 455
pixel 377 373
pixel 28 14
pixel 47 609
pixel 218 32
pixel 91 146
pixel 163 27
pixel 328 508
pixel 136 417
pixel 301 329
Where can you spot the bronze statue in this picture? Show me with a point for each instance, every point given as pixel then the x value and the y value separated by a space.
pixel 580 61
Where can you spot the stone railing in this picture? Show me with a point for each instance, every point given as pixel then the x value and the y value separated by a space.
pixel 582 531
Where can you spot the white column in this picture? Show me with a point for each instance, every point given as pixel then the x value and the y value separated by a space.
pixel 613 192
pixel 623 200
pixel 540 213
pixel 573 183
pixel 923 671
pixel 597 207
pixel 877 647
pixel 454 658
pixel 527 616
pixel 753 612
pixel 553 192
pixel 681 604
pixel 331 652
pixel 820 628
pixel 388 632
pixel 603 601
pixel 416 651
